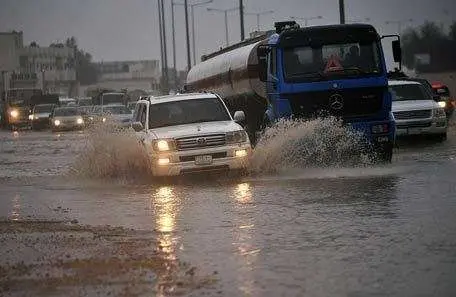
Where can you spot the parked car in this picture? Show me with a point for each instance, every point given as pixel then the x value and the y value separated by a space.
pixel 415 110
pixel 189 133
pixel 39 117
pixel 66 118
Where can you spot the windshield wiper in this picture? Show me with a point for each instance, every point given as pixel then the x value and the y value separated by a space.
pixel 354 68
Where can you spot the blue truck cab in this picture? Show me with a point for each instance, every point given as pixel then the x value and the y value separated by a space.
pixel 336 70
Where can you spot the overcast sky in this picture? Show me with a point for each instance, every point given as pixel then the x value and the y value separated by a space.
pixel 128 29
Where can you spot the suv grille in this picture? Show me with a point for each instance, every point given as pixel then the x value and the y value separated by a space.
pixel 341 103
pixel 413 114
pixel 195 142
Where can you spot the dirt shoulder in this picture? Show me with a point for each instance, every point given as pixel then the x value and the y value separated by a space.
pixel 48 258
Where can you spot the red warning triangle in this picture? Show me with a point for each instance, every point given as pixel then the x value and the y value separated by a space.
pixel 333 64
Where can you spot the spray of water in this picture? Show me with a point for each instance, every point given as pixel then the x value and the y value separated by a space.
pixel 111 152
pixel 318 143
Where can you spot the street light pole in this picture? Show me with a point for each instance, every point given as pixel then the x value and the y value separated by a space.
pixel 258 16
pixel 193 25
pixel 189 62
pixel 342 11
pixel 225 11
pixel 241 15
pixel 174 35
pixel 307 19
pixel 165 74
pixel 160 26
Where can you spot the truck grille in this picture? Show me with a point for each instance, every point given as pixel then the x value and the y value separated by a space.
pixel 413 114
pixel 196 142
pixel 351 102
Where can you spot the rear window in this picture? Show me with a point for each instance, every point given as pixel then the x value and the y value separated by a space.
pixel 409 92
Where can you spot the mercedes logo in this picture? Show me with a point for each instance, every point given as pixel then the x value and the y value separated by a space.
pixel 336 102
pixel 201 141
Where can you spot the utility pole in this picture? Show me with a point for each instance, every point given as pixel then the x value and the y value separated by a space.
pixel 342 11
pixel 174 43
pixel 225 11
pixel 258 14
pixel 165 51
pixel 164 58
pixel 241 15
pixel 189 62
pixel 162 62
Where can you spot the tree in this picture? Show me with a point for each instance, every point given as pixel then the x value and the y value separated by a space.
pixel 34 44
pixel 430 39
pixel 86 71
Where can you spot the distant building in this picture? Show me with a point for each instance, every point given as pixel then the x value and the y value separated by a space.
pixel 130 75
pixel 51 68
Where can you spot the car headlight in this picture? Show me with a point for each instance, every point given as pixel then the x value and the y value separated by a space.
pixel 14 113
pixel 31 117
pixel 103 120
pixel 79 121
pixel 236 136
pixel 439 112
pixel 56 122
pixel 164 145
pixel 442 104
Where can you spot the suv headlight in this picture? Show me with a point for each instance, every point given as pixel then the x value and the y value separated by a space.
pixel 236 136
pixel 442 104
pixel 439 112
pixel 164 145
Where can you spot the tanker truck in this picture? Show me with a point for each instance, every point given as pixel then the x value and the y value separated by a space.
pixel 294 72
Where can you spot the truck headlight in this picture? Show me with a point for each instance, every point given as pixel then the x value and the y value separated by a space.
pixel 442 104
pixel 56 122
pixel 164 145
pixel 14 113
pixel 439 112
pixel 79 121
pixel 236 136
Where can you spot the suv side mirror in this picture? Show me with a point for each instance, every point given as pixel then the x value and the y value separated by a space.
pixel 262 53
pixel 239 116
pixel 137 126
pixel 397 51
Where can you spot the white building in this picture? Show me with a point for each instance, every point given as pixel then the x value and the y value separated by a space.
pixel 130 75
pixel 51 68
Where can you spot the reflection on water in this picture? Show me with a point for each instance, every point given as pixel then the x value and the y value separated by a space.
pixel 15 214
pixel 246 250
pixel 164 205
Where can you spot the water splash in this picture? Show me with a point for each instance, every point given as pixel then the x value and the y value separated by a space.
pixel 112 152
pixel 318 143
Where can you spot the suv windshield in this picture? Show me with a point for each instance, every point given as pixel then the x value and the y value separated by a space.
pixel 187 112
pixel 42 108
pixel 409 92
pixel 306 63
pixel 66 112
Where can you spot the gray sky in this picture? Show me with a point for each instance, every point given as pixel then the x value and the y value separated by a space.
pixel 128 29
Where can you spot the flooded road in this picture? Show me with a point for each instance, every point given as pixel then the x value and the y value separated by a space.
pixel 375 231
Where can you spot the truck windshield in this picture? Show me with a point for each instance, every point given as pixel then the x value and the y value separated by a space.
pixel 112 98
pixel 43 108
pixel 19 97
pixel 330 61
pixel 187 112
pixel 409 92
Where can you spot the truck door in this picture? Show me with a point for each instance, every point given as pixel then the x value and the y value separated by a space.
pixel 271 85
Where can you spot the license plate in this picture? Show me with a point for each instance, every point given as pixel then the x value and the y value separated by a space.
pixel 414 131
pixel 203 160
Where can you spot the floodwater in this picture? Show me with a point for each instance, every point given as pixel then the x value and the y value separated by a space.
pixel 366 231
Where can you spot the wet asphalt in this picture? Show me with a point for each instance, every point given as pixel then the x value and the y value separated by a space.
pixel 376 231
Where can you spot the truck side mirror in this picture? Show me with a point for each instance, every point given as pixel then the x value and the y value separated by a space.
pixel 239 116
pixel 397 51
pixel 262 53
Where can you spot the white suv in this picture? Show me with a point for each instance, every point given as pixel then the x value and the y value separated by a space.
pixel 187 133
pixel 415 111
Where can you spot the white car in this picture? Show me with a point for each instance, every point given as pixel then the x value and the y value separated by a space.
pixel 188 133
pixel 415 111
